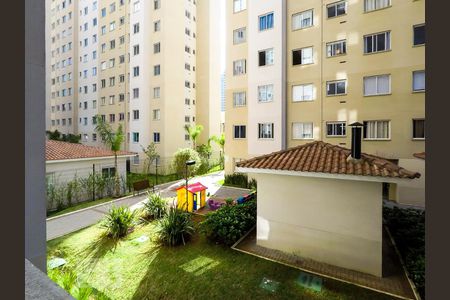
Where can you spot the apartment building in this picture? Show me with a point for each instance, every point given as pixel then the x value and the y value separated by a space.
pixel 151 66
pixel 299 71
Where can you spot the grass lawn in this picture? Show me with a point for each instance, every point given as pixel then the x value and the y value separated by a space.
pixel 78 206
pixel 152 178
pixel 215 169
pixel 199 270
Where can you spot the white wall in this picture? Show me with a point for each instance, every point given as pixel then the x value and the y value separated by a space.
pixel 412 192
pixel 65 171
pixel 338 222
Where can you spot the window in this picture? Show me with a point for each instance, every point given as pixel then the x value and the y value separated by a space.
pixel 112 44
pixel 239 67
pixel 302 20
pixel 111 99
pixel 187 84
pixel 370 5
pixel 103 100
pixel 157 4
pixel 112 81
pixel 156 92
pixel 135 49
pixel 265 57
pixel 418 81
pixel 121 116
pixel 112 118
pixel 156 114
pixel 239 131
pixel 302 130
pixel 157 26
pixel 121 59
pixel 111 62
pixel 419 35
pixel 103 29
pixel 239 35
pixel 112 26
pixel 122 39
pixel 121 78
pixel 337 87
pixel 103 12
pixel 239 99
pixel 94 104
pixel 135 93
pixel 187 137
pixel 336 129
pixel 136 28
pixel 377 130
pixel 336 48
pixel 156 137
pixel 136 160
pixel 239 5
pixel 377 42
pixel 112 7
pixel 336 9
pixel 121 97
pixel 157 48
pixel 187 119
pixel 94 137
pixel 135 137
pixel 265 130
pixel 419 129
pixel 265 93
pixel 302 92
pixel 377 85
pixel 135 114
pixel 266 21
pixel 136 6
pixel 157 70
pixel 136 71
pixel 302 56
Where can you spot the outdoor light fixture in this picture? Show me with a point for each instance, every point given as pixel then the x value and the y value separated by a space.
pixel 188 163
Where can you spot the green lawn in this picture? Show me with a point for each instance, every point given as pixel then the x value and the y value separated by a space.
pixel 77 207
pixel 199 270
pixel 152 178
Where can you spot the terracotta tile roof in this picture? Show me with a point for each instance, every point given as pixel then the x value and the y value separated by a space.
pixel 420 155
pixel 56 150
pixel 320 157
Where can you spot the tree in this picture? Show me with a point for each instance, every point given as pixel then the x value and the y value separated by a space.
pixel 193 132
pixel 113 140
pixel 151 154
pixel 180 158
pixel 219 140
pixel 56 136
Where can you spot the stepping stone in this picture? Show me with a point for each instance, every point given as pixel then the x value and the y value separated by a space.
pixel 141 239
pixel 269 284
pixel 310 281
pixel 56 262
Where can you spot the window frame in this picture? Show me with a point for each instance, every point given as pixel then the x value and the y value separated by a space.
pixel 377 138
pixel 414 34
pixel 413 131
pixel 244 39
pixel 244 127
pixel 421 90
pixel 303 138
pixel 265 51
pixel 266 86
pixel 302 57
pixel 344 129
pixel 303 85
pixel 387 32
pixel 376 8
pixel 331 44
pixel 260 127
pixel 300 13
pixel 266 15
pixel 335 5
pixel 336 81
pixel 245 99
pixel 377 94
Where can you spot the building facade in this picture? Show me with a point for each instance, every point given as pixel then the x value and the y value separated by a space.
pixel 299 71
pixel 151 66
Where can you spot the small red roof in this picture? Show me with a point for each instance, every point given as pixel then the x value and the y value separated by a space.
pixel 57 150
pixel 420 155
pixel 194 187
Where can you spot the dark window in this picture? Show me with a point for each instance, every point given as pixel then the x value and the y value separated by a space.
pixel 419 129
pixel 336 9
pixel 108 172
pixel 419 35
pixel 239 132
pixel 297 57
pixel 262 58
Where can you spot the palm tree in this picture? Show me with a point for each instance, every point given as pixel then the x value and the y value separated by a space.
pixel 113 140
pixel 219 140
pixel 193 132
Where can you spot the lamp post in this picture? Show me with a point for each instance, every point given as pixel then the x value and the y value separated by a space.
pixel 188 163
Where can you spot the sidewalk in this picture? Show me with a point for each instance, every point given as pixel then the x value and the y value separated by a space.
pixel 64 224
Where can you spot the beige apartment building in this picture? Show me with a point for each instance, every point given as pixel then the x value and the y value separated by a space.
pixel 151 66
pixel 299 71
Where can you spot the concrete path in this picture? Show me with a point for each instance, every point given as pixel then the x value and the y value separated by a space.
pixel 70 222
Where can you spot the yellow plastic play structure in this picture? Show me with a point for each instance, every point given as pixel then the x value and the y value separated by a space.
pixel 196 197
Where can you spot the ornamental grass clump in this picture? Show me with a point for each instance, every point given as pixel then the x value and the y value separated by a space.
pixel 176 227
pixel 119 221
pixel 155 207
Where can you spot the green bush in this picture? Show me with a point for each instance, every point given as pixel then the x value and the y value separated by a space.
pixel 407 227
pixel 155 207
pixel 230 222
pixel 175 227
pixel 180 158
pixel 240 180
pixel 118 221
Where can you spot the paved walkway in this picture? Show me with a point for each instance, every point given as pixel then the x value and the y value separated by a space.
pixel 394 281
pixel 64 224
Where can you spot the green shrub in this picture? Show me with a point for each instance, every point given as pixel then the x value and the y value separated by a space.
pixel 155 207
pixel 240 180
pixel 180 158
pixel 83 292
pixel 230 222
pixel 118 221
pixel 175 227
pixel 407 227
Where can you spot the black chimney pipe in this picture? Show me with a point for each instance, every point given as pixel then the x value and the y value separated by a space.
pixel 356 139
